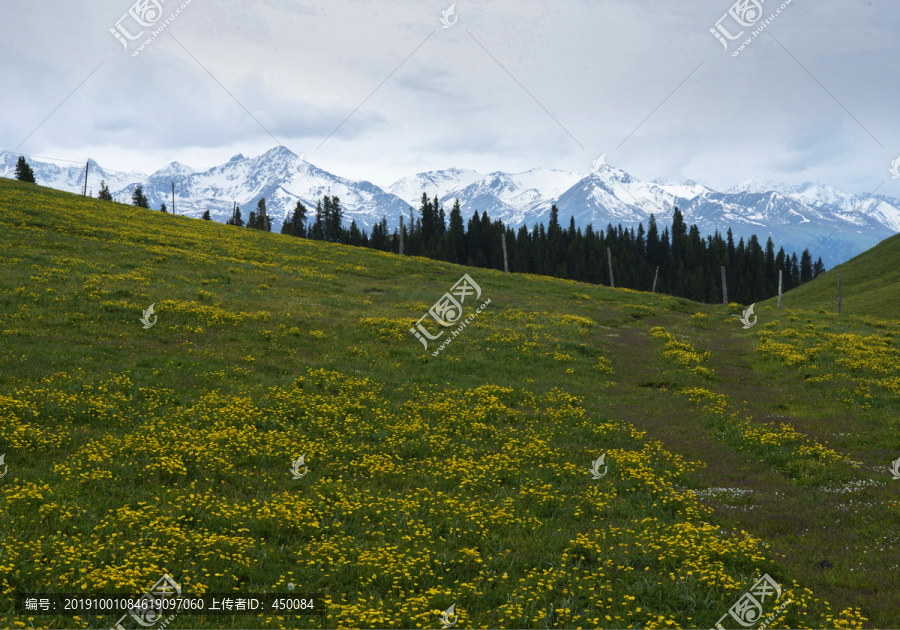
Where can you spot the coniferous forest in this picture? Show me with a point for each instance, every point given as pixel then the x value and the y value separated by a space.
pixel 689 264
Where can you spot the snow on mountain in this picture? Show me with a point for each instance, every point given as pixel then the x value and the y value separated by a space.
pixel 441 183
pixel 69 176
pixel 833 224
pixel 278 175
pixel 175 169
pixel 513 197
pixel 687 189
pixel 755 186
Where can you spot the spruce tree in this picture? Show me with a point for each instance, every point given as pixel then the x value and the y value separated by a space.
pixel 456 236
pixel 104 193
pixel 299 222
pixel 24 172
pixel 819 268
pixel 162 208
pixel 355 236
pixel 795 271
pixel 806 268
pixel 333 219
pixel 236 219
pixel 317 231
pixel 287 226
pixel 206 216
pixel 138 199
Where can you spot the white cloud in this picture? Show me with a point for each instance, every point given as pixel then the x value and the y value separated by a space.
pixel 600 68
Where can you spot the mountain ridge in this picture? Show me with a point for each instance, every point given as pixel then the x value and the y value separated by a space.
pixel 796 217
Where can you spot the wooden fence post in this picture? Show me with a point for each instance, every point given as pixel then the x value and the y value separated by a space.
pixel 503 242
pixel 654 279
pixel 612 282
pixel 724 287
pixel 86 166
pixel 401 234
pixel 779 288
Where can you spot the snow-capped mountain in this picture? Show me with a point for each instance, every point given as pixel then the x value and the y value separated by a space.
pixel 280 176
pixel 441 183
pixel 831 223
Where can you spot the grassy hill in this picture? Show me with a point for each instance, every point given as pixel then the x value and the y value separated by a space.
pixel 429 480
pixel 869 285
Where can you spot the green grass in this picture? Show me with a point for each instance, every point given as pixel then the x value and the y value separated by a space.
pixel 868 285
pixel 461 478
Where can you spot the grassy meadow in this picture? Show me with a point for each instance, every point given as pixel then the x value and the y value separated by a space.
pixel 432 481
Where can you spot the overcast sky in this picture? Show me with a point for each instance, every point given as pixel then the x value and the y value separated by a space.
pixel 511 85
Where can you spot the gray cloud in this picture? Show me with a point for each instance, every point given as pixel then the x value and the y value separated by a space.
pixel 600 68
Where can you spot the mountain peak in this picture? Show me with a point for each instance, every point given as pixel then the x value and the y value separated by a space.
pixel 756 186
pixel 175 168
pixel 281 151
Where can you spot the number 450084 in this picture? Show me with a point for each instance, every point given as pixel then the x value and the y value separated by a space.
pixel 284 603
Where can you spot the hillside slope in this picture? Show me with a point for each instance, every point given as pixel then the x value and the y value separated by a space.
pixel 870 285
pixel 575 456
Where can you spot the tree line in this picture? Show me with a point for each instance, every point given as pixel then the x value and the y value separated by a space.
pixel 688 265
pixel 678 261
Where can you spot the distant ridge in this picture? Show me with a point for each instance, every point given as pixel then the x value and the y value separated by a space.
pixel 834 224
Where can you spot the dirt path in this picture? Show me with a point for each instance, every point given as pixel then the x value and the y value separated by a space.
pixel 813 533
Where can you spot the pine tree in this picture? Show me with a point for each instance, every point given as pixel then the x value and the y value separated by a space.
pixel 333 220
pixel 138 199
pixel 236 219
pixel 24 172
pixel 162 208
pixel 287 226
pixel 104 193
pixel 806 268
pixel 819 268
pixel 679 235
pixel 206 216
pixel 795 271
pixel 318 229
pixel 355 236
pixel 298 220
